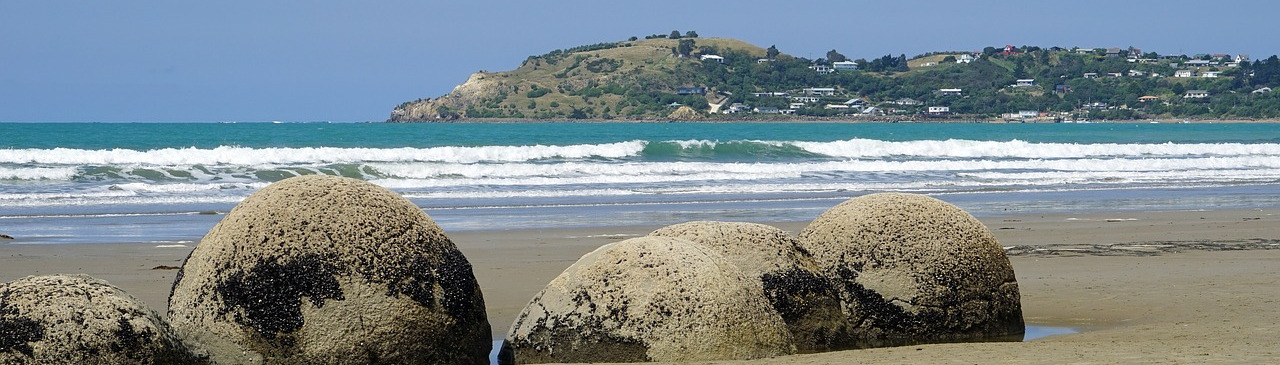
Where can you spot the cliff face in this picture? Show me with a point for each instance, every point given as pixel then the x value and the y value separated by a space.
pixel 628 80
pixel 479 87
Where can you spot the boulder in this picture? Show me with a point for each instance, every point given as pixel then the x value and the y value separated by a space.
pixel 911 268
pixel 647 299
pixel 76 319
pixel 323 269
pixel 791 281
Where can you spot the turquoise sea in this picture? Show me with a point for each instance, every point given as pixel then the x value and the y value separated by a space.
pixel 170 182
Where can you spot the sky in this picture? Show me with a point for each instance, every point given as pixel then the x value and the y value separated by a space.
pixel 325 60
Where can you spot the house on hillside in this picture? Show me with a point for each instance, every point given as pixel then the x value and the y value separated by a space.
pixel 1025 83
pixel 949 92
pixel 906 102
pixel 965 58
pixel 1198 63
pixel 939 110
pixel 691 91
pixel 805 99
pixel 822 69
pixel 1114 52
pixel 845 66
pixel 712 57
pixel 827 91
pixel 767 110
pixel 1184 73
pixel 1090 75
pixel 1210 74
pixel 1148 98
pixel 1261 91
pixel 1196 94
pixel 738 108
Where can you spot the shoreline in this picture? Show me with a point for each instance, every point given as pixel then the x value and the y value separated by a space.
pixel 774 119
pixel 1153 285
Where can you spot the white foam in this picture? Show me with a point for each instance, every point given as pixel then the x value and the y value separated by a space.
pixel 230 155
pixel 956 148
pixel 37 173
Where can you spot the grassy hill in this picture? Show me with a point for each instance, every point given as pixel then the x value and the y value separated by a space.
pixel 643 80
pixel 632 79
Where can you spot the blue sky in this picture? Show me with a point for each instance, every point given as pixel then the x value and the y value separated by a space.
pixel 240 60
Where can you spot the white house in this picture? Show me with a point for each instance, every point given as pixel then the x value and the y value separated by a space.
pixel 965 58
pixel 711 57
pixel 1090 75
pixel 796 105
pixel 835 106
pixel 845 65
pixel 1261 91
pixel 806 99
pixel 1210 74
pixel 939 110
pixel 1025 83
pixel 1196 94
pixel 820 91
pixel 906 101
pixel 1184 73
pixel 949 92
pixel 822 69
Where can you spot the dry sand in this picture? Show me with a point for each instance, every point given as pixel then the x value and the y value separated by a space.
pixel 1144 287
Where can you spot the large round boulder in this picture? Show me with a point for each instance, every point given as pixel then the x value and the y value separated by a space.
pixel 332 270
pixel 76 319
pixel 647 299
pixel 786 273
pixel 911 268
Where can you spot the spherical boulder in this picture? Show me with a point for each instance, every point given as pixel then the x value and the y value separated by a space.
pixel 647 299
pixel 323 269
pixel 791 281
pixel 76 319
pixel 911 268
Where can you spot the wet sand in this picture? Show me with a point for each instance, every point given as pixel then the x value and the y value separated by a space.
pixel 1145 287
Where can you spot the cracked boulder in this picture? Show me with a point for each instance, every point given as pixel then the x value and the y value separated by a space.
pixel 912 269
pixel 76 319
pixel 648 299
pixel 789 278
pixel 332 270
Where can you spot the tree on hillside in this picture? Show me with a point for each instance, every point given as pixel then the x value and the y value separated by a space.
pixel 772 52
pixel 675 34
pixel 685 48
pixel 834 56
pixel 691 34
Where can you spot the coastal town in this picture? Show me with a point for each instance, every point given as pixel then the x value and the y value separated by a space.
pixel 684 77
pixel 830 98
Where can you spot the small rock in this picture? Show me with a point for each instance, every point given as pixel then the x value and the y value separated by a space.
pixel 76 319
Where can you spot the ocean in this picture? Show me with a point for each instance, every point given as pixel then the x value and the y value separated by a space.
pixel 171 182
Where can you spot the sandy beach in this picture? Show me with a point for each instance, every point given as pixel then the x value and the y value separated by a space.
pixel 1142 287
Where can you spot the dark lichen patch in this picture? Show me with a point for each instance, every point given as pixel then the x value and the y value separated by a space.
pixel 17 333
pixel 270 294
